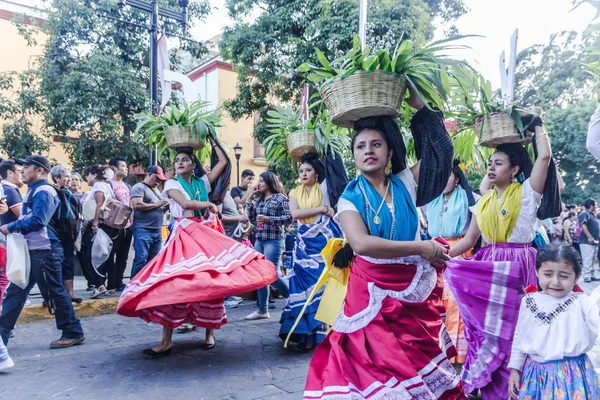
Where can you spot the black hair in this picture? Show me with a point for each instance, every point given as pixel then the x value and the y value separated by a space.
pixel 517 157
pixel 114 162
pixel 364 128
pixel 273 182
pixel 199 170
pixel 571 207
pixel 5 166
pixel 589 203
pixel 456 171
pixel 312 159
pixel 97 171
pixel 559 252
pixel 571 214
pixel 247 172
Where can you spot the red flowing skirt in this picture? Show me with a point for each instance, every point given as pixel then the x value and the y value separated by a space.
pixel 389 342
pixel 190 277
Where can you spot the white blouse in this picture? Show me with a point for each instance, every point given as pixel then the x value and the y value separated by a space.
pixel 524 230
pixel 551 328
pixel 593 136
pixel 174 207
pixel 406 176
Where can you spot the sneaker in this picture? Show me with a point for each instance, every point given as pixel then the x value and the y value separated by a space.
pixel 98 292
pixel 237 298
pixel 230 303
pixel 185 328
pixel 6 364
pixel 256 315
pixel 587 280
pixel 64 343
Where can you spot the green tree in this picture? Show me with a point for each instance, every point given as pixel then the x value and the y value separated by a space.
pixel 552 76
pixel 267 51
pixel 20 109
pixel 94 74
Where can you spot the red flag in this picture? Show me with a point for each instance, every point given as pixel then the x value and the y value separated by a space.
pixel 304 101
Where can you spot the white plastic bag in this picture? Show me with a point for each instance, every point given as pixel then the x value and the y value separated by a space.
pixel 18 263
pixel 101 248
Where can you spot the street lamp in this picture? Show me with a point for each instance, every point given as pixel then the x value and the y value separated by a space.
pixel 238 153
pixel 154 11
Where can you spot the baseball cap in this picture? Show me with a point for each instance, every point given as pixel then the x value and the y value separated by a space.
pixel 37 160
pixel 155 169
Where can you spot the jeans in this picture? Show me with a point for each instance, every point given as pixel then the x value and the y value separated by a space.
pixel 588 256
pixel 272 249
pixel 114 266
pixel 46 271
pixel 68 265
pixel 146 244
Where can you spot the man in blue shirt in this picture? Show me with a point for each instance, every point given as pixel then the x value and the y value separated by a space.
pixel 46 253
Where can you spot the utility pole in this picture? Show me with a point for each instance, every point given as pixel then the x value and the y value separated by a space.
pixel 154 11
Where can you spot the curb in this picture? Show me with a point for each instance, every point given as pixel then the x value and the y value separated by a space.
pixel 88 308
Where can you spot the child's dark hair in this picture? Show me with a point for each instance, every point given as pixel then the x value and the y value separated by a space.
pixel 559 252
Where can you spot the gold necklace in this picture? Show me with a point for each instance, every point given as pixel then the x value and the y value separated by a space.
pixel 376 218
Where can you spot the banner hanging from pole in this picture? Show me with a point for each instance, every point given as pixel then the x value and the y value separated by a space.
pixel 163 64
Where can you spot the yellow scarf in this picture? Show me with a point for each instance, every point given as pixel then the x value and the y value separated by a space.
pixel 497 219
pixel 314 200
pixel 335 291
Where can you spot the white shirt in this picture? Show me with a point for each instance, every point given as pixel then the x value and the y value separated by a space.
pixel 406 176
pixel 570 333
pixel 174 207
pixel 593 136
pixel 525 227
pixel 89 206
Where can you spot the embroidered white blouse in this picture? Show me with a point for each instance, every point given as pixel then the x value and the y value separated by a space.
pixel 174 207
pixel 524 230
pixel 551 328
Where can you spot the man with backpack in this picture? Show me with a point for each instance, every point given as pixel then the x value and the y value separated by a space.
pixel 38 224
pixel 122 243
pixel 588 241
pixel 70 217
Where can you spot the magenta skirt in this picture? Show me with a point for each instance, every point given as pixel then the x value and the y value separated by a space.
pixel 488 289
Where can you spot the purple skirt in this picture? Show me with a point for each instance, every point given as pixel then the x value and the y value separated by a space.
pixel 489 293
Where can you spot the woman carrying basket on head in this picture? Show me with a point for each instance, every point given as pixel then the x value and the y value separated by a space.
pixel 311 203
pixel 448 216
pixel 489 288
pixel 389 340
pixel 199 266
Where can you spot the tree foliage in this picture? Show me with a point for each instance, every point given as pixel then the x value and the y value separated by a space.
pixel 94 74
pixel 552 77
pixel 20 110
pixel 267 51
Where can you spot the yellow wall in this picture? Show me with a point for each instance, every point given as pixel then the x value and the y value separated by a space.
pixel 237 132
pixel 20 57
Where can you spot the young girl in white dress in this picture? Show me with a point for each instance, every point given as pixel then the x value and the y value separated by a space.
pixel 558 325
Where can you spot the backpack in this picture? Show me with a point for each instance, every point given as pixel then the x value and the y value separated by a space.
pixel 66 218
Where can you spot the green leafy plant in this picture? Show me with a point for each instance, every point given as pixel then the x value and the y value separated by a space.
pixel 196 115
pixel 284 121
pixel 472 96
pixel 424 69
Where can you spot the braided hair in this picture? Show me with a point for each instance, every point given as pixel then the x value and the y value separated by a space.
pixel 519 157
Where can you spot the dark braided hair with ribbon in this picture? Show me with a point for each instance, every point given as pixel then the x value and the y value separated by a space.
pixel 462 181
pixel 433 148
pixel 550 206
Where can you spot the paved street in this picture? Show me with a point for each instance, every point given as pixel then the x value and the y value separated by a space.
pixel 248 363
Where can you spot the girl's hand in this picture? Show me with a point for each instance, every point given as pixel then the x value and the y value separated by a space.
pixel 414 100
pixel 263 218
pixel 211 207
pixel 95 227
pixel 435 253
pixel 514 382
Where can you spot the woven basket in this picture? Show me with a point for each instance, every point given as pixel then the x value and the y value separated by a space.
pixel 498 128
pixel 182 137
pixel 300 143
pixel 363 94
